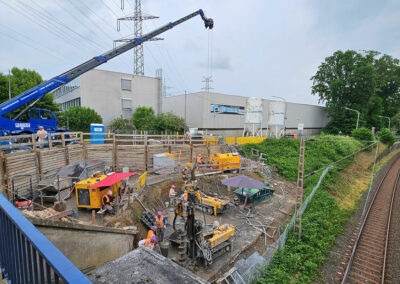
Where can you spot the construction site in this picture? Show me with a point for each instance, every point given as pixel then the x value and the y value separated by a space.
pixel 252 216
pixel 113 176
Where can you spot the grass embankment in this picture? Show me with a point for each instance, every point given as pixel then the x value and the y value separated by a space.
pixel 298 260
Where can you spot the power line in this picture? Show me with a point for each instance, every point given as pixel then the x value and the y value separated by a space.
pixel 38 23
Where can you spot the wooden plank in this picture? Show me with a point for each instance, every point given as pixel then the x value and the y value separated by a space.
pixel 61 214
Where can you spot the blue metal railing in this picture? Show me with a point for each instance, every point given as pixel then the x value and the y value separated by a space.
pixel 27 256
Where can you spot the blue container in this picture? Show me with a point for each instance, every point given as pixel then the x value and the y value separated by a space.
pixel 94 129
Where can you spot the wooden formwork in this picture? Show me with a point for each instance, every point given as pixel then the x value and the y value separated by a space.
pixel 21 164
pixel 185 151
pixel 50 161
pixel 131 156
pixel 75 153
pixel 102 152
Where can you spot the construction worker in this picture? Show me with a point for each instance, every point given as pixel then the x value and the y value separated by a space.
pixel 108 203
pixel 149 242
pixel 171 195
pixel 185 195
pixel 42 134
pixel 152 232
pixel 160 223
pixel 199 159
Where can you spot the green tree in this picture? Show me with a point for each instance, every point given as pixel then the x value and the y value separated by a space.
pixel 386 136
pixel 362 134
pixel 368 82
pixel 79 118
pixel 170 122
pixel 144 118
pixel 122 126
pixel 21 81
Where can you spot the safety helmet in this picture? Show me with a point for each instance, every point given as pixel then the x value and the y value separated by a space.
pixel 153 239
pixel 173 186
pixel 109 192
pixel 159 213
pixel 154 228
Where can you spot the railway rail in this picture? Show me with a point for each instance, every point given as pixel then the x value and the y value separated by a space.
pixel 368 259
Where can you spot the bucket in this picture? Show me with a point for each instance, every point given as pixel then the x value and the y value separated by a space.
pixel 164 246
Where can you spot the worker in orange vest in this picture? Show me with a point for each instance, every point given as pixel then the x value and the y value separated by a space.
pixel 108 203
pixel 160 223
pixel 199 159
pixel 149 242
pixel 185 195
pixel 151 232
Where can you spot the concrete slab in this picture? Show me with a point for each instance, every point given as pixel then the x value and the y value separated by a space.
pixel 143 266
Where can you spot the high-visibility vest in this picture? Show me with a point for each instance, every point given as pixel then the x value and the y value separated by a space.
pixel 147 242
pixel 108 199
pixel 199 160
pixel 185 196
pixel 160 222
pixel 171 193
pixel 150 233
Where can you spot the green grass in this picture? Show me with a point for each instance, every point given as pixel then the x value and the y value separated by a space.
pixel 298 261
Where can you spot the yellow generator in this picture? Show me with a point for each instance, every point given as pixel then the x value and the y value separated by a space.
pixel 228 161
pixel 87 197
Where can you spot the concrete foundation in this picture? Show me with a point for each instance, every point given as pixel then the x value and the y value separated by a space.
pixel 143 266
pixel 86 246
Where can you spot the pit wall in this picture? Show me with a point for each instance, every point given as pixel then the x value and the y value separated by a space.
pixel 86 246
pixel 42 163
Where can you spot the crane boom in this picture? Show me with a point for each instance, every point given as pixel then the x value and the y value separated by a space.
pixel 36 93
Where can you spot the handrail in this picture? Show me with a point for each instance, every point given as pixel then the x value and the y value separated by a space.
pixel 27 256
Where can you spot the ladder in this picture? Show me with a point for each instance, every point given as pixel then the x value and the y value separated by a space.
pixel 231 277
pixel 300 182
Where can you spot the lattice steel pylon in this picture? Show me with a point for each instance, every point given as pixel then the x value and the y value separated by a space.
pixel 300 182
pixel 137 17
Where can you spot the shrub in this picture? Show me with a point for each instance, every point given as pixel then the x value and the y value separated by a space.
pixel 79 118
pixel 362 134
pixel 385 136
pixel 122 126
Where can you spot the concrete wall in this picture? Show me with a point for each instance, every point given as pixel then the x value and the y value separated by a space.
pixel 199 115
pixel 87 247
pixel 101 90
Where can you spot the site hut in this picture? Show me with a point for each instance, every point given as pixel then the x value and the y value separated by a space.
pixel 224 114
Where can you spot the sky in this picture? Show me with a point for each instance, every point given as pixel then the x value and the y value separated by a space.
pixel 258 48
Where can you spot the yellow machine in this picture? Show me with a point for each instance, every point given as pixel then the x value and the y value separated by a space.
pixel 219 235
pixel 87 197
pixel 226 161
pixel 213 205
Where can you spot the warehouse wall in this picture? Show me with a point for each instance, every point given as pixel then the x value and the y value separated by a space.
pixel 199 115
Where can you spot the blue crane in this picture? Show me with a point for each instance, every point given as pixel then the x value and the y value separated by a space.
pixel 47 119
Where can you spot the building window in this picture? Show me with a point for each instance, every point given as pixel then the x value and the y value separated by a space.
pixel 127 104
pixel 71 103
pixel 67 88
pixel 126 84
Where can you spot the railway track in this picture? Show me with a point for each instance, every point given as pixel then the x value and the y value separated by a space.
pixel 368 259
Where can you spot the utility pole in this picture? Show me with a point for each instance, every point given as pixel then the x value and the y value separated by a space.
pixel 185 106
pixel 300 182
pixel 387 118
pixel 9 84
pixel 137 17
pixel 358 115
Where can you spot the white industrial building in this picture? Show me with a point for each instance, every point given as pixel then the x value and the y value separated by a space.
pixel 114 94
pixel 111 94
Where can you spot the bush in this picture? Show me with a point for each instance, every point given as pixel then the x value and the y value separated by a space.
pixel 122 126
pixel 144 118
pixel 362 134
pixel 170 122
pixel 79 118
pixel 385 136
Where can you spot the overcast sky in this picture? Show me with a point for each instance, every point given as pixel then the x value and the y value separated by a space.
pixel 258 48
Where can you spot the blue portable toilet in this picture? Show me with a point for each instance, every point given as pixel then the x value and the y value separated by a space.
pixel 94 129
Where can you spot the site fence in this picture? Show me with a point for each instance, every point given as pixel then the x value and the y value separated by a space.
pixel 255 271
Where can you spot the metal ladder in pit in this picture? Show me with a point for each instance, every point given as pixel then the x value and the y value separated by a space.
pixel 231 277
pixel 300 182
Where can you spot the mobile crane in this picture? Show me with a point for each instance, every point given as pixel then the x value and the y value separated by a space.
pixel 14 126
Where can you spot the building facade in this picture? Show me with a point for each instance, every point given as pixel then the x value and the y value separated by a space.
pixel 111 94
pixel 225 114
